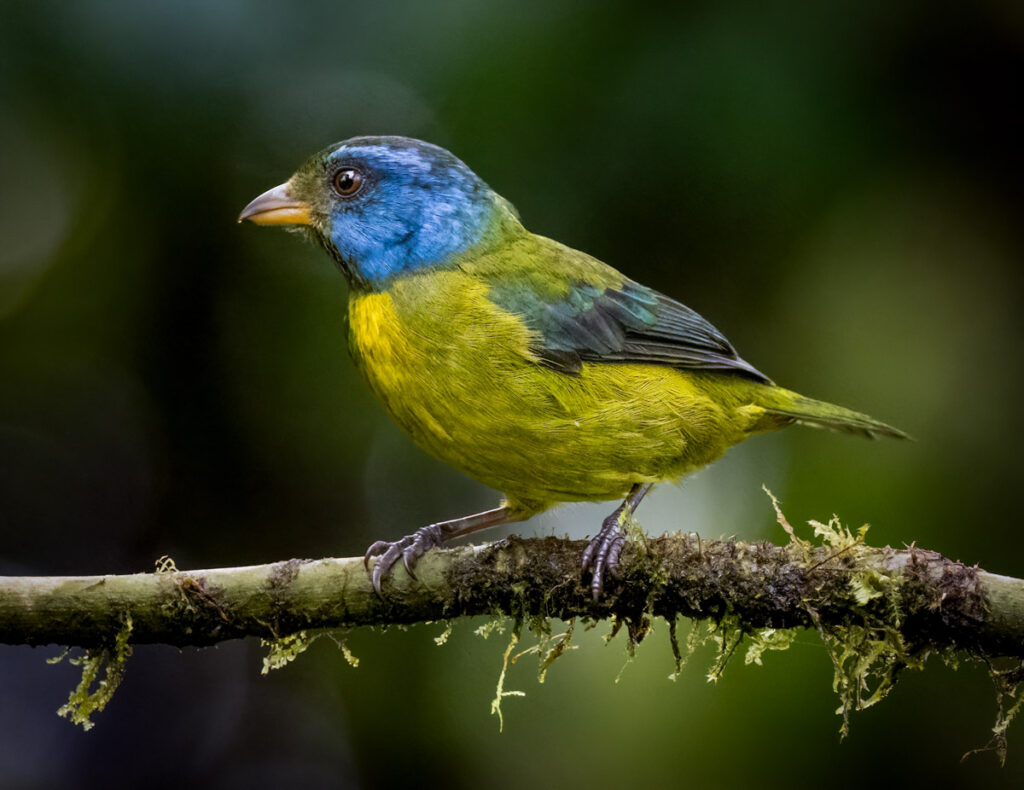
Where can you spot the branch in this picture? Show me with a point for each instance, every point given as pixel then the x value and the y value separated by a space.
pixel 926 600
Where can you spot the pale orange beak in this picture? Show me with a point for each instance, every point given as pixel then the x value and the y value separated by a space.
pixel 277 207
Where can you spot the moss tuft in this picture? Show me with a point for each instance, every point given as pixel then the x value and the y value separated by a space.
pixel 767 639
pixel 727 634
pixel 500 692
pixel 442 638
pixel 285 649
pixel 696 638
pixel 85 700
pixel 1009 685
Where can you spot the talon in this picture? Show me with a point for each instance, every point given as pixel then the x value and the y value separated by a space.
pixel 410 549
pixel 409 559
pixel 385 563
pixel 377 547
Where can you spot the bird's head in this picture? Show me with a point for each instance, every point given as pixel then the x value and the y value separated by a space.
pixel 386 206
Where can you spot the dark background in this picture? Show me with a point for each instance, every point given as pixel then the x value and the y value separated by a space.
pixel 836 186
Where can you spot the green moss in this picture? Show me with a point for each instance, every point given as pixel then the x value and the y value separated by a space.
pixel 1009 685
pixel 553 648
pixel 727 634
pixel 500 692
pixel 548 649
pixel 86 700
pixel 495 625
pixel 1010 698
pixel 867 663
pixel 349 657
pixel 696 638
pixel 869 652
pixel 767 639
pixel 283 650
pixel 442 638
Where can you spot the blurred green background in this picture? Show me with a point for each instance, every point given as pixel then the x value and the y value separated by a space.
pixel 836 186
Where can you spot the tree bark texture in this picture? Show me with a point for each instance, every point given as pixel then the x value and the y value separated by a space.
pixel 932 601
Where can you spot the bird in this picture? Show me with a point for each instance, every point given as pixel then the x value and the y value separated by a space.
pixel 530 366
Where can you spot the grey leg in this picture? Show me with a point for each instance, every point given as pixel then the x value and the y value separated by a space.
pixel 412 547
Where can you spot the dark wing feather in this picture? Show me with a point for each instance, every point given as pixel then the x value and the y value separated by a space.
pixel 631 323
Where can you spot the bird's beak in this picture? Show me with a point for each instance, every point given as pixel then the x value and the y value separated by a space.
pixel 277 207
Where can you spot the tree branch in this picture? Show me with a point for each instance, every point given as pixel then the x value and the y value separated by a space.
pixel 929 601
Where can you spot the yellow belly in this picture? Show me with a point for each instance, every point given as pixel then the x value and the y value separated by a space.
pixel 454 371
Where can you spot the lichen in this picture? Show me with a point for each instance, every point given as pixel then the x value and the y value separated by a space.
pixel 86 700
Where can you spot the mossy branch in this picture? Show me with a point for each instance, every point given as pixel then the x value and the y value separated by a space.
pixel 879 611
pixel 929 601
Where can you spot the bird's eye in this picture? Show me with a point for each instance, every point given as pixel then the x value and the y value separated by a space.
pixel 348 181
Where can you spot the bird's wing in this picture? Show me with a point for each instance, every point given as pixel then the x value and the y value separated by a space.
pixel 583 321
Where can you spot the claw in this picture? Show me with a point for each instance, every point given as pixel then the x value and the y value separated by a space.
pixel 384 564
pixel 409 561
pixel 409 549
pixel 378 547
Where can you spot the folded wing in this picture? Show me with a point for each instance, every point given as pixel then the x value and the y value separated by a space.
pixel 624 323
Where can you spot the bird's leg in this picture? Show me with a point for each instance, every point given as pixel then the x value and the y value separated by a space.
pixel 412 547
pixel 602 553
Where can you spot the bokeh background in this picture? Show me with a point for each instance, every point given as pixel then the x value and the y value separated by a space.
pixel 837 186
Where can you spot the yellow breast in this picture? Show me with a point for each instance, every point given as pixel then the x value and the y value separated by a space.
pixel 395 367
pixel 455 372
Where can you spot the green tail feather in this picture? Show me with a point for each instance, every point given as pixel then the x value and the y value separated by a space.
pixel 807 411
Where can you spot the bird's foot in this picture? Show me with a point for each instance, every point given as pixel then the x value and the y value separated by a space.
pixel 602 553
pixel 410 549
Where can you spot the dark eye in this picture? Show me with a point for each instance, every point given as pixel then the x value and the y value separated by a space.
pixel 348 181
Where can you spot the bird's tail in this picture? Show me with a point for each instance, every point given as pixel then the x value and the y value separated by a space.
pixel 789 407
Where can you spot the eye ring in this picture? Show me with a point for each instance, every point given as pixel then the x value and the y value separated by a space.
pixel 347 182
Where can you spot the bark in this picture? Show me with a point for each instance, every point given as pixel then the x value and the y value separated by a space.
pixel 932 602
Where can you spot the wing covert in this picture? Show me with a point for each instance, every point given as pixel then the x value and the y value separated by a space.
pixel 628 323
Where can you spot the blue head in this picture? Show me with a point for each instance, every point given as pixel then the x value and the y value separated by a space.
pixel 387 206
